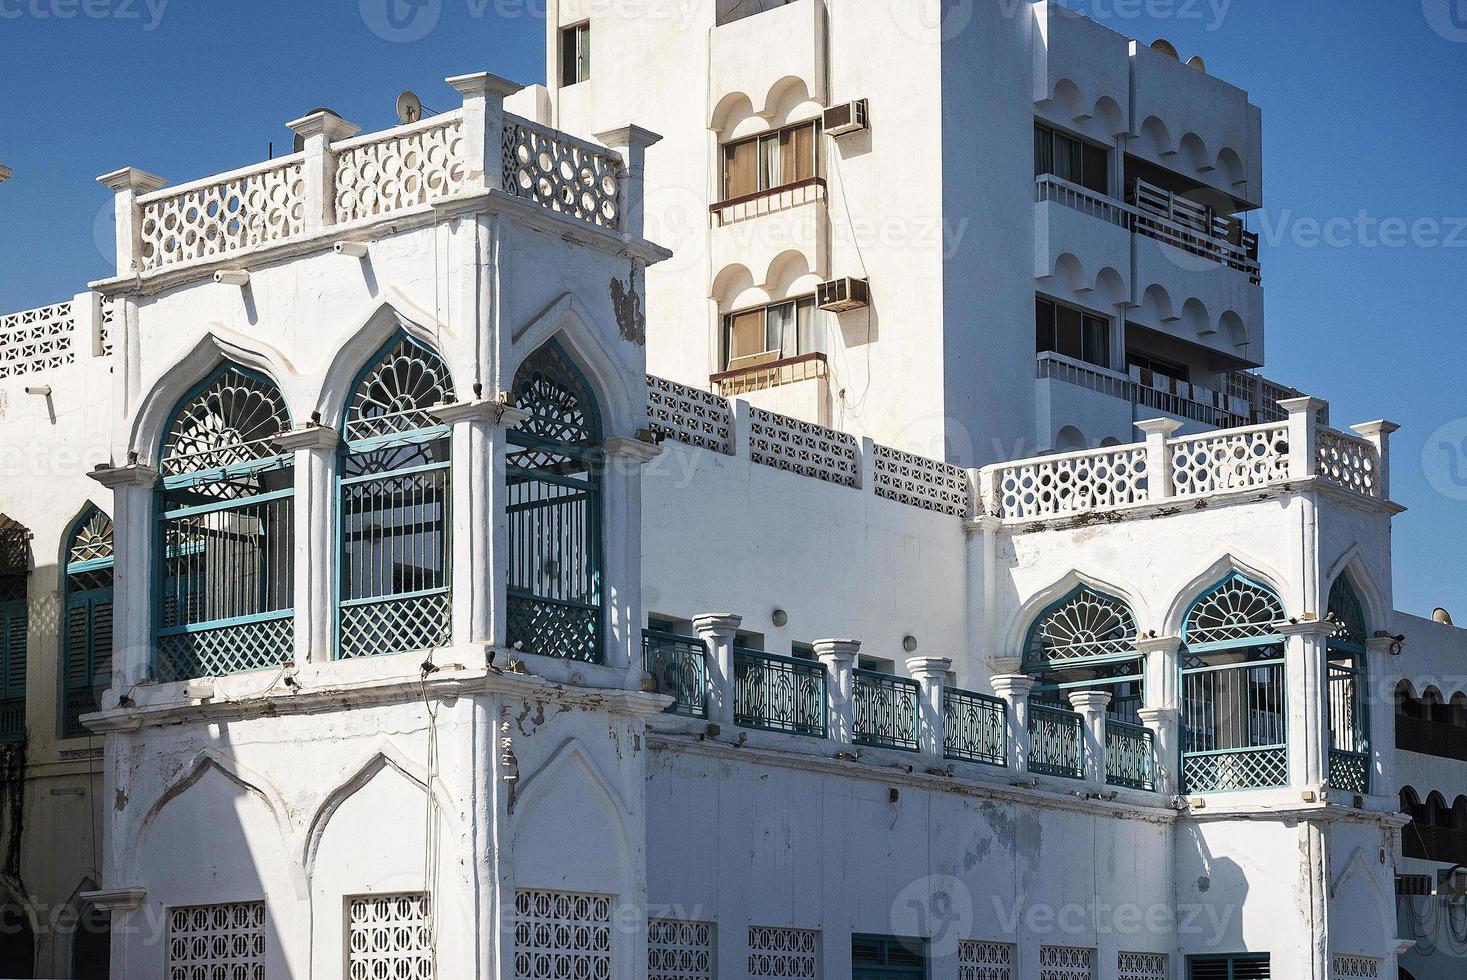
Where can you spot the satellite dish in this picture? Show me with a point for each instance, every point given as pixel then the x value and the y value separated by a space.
pixel 1196 62
pixel 409 107
pixel 1166 47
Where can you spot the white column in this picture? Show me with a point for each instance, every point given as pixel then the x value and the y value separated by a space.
pixel 1164 733
pixel 1303 434
pixel 622 538
pixel 318 172
pixel 931 673
pixel 1014 689
pixel 839 658
pixel 631 143
pixel 483 125
pixel 1378 433
pixel 480 535
pixel 1381 677
pixel 1092 705
pixel 718 630
pixel 1158 460
pixel 316 450
pixel 132 489
pixel 128 184
pixel 1306 667
pixel 1161 714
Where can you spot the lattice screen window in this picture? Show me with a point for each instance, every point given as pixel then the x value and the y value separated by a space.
pixel 985 961
pixel 388 938
pixel 776 952
pixel 1066 963
pixel 1142 966
pixel 1347 967
pixel 561 934
pixel 679 950
pixel 210 941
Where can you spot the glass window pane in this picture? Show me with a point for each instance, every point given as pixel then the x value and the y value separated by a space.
pixel 1043 151
pixel 769 158
pixel 1067 158
pixel 1043 325
pixel 1097 341
pixel 745 335
pixel 811 328
pixel 741 169
pixel 1067 339
pixel 780 329
pixel 1096 165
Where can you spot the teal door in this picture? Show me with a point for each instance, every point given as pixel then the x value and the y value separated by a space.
pixel 888 958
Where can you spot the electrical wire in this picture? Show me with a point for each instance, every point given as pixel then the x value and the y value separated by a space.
pixel 430 830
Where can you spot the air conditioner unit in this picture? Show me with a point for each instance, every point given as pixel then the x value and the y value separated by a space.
pixel 843 295
pixel 852 117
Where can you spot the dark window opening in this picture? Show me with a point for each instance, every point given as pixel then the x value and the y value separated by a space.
pixel 1072 159
pixel 1159 367
pixel 1072 333
pixel 575 54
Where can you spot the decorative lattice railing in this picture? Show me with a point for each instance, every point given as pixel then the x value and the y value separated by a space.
pixel 921 482
pixel 689 415
pixel 1233 459
pixel 885 711
pixel 781 694
pixel 403 168
pixel 974 727
pixel 1348 461
pixel 1130 758
pixel 1056 742
pixel 257 205
pixel 1072 484
pixel 802 447
pixel 562 173
pixel 678 666
pixel 37 340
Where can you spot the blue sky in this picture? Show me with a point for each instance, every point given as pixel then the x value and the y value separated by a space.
pixel 1365 139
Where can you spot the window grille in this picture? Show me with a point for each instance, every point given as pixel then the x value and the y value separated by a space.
pixel 1234 703
pixel 554 473
pixel 561 934
pixel 87 635
pixel 1066 963
pixel 1349 752
pixel 226 531
pixel 778 952
pixel 388 937
pixel 1142 966
pixel 679 950
pixel 985 961
pixel 1086 641
pixel 209 941
pixel 394 507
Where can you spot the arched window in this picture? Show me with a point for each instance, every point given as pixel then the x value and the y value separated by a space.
pixel 1233 697
pixel 1349 755
pixel 394 506
pixel 226 532
pixel 554 502
pixel 15 566
pixel 86 658
pixel 91 944
pixel 1086 641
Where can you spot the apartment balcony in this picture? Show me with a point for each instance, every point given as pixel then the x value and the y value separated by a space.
pixel 795 386
pixel 754 230
pixel 1178 267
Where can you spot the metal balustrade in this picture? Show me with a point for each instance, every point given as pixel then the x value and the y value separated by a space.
pixel 779 694
pixel 974 727
pixel 678 666
pixel 1130 757
pixel 1056 741
pixel 885 711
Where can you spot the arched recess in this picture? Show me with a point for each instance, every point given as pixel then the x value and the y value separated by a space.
pixel 1234 331
pixel 730 111
pixel 87 564
pixel 1110 288
pixel 617 383
pixel 1352 565
pixel 220 346
pixel 1016 633
pixel 1158 139
pixel 1156 305
pixel 1230 165
pixel 1069 99
pixel 1070 440
pixel 734 288
pixel 1197 318
pixel 784 97
pixel 1109 115
pixel 385 322
pixel 1194 149
pixel 1217 570
pixel 568 826
pixel 1086 641
pixel 86 936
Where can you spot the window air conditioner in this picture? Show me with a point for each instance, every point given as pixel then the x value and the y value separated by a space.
pixel 852 117
pixel 843 295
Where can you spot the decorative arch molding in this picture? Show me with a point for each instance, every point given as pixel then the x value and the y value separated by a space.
pixel 385 756
pixel 1352 565
pixel 384 321
pixel 219 346
pixel 74 524
pixel 567 320
pixel 1017 631
pixel 1385 904
pixel 732 108
pixel 569 761
pixel 1261 572
pixel 206 760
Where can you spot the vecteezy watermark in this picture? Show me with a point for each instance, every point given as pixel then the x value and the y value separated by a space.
pixel 1444 460
pixel 404 21
pixel 939 907
pixel 1362 230
pixel 943 20
pixel 401 21
pixel 147 12
pixel 1448 18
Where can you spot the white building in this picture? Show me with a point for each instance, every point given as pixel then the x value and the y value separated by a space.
pixel 437 638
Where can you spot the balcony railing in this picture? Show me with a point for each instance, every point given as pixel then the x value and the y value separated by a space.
pixel 974 727
pixel 1056 741
pixel 678 666
pixel 1445 844
pixel 779 694
pixel 1165 217
pixel 1130 756
pixel 1439 738
pixel 885 711
pixel 1349 771
pixel 1144 388
pixel 759 377
pixel 775 199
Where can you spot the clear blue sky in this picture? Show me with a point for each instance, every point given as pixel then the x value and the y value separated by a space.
pixel 1363 114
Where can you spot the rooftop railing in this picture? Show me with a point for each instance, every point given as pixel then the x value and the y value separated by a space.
pixel 340 181
pixel 55 336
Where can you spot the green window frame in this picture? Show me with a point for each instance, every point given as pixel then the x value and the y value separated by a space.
pixel 1234 966
pixel 888 957
pixel 14 641
pixel 86 636
pixel 1086 642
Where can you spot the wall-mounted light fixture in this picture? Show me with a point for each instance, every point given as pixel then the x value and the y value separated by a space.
pixel 780 618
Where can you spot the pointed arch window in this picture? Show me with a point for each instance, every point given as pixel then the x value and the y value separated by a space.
pixel 1084 642
pixel 1234 708
pixel 225 531
pixel 554 476
pixel 15 564
pixel 1349 749
pixel 86 659
pixel 393 503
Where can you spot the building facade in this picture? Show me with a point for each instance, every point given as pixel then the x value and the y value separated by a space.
pixel 458 582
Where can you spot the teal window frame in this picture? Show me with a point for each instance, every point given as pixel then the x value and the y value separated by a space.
pixel 1348 686
pixel 1232 961
pixel 85 673
pixel 14 656
pixel 1051 685
pixel 893 957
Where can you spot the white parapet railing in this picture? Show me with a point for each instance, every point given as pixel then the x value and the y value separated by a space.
pixel 340 181
pixel 1163 468
pixel 56 336
pixel 1149 390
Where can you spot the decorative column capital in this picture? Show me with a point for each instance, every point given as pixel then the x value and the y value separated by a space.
pixel 115 899
pixel 1319 628
pixel 323 122
pixel 1158 644
pixel 1159 427
pixel 120 477
pixel 132 179
pixel 1011 686
pixel 720 625
pixel 483 83
pixel 923 668
pixel 634 450
pixel 313 437
pixel 1090 702
pixel 488 410
pixel 1000 666
pixel 1154 718
pixel 837 651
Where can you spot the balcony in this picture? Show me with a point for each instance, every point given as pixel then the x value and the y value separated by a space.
pixel 795 386
pixel 1437 738
pixel 1147 392
pixel 1427 843
pixel 756 231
